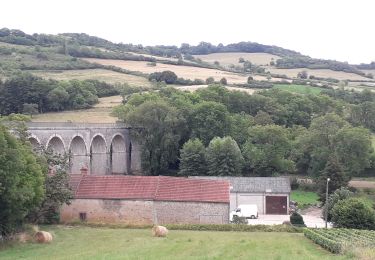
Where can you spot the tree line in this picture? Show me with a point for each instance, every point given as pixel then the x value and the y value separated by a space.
pixel 29 94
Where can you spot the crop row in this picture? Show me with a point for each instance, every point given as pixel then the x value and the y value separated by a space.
pixel 335 240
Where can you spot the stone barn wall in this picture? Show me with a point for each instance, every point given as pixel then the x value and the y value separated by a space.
pixel 171 212
pixel 145 212
pixel 109 211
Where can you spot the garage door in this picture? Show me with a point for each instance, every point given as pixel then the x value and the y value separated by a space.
pixel 276 205
pixel 251 199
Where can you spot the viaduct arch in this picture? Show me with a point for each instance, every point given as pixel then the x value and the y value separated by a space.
pixel 103 148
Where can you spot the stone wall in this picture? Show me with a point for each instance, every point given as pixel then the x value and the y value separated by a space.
pixel 109 211
pixel 171 212
pixel 146 212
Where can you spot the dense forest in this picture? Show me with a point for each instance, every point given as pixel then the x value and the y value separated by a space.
pixel 216 131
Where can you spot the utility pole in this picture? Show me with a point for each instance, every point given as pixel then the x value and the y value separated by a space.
pixel 326 206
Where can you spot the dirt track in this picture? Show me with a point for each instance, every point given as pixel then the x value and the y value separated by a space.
pixel 362 184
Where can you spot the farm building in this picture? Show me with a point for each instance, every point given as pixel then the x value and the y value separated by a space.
pixel 270 194
pixel 147 200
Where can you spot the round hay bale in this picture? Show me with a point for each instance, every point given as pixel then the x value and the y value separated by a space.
pixel 43 237
pixel 159 231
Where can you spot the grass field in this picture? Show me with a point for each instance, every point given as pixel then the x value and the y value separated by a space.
pixel 301 89
pixel 304 198
pixel 323 73
pixel 105 243
pixel 98 74
pixel 186 72
pixel 100 113
pixel 233 57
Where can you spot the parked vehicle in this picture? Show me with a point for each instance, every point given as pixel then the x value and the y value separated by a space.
pixel 245 211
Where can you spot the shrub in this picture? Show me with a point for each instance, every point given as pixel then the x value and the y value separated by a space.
pixel 353 213
pixel 210 80
pixel 338 195
pixel 297 220
pixel 294 183
pixel 203 227
pixel 223 81
pixel 239 220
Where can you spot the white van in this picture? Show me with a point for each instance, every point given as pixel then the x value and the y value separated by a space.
pixel 246 211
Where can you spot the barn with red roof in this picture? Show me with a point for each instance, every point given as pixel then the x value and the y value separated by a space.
pixel 147 200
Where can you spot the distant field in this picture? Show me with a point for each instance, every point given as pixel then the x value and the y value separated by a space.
pixel 302 89
pixel 323 73
pixel 186 72
pixel 99 114
pixel 105 243
pixel 195 87
pixel 229 58
pixel 98 74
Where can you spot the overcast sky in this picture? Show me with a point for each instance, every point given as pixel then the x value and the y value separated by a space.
pixel 331 29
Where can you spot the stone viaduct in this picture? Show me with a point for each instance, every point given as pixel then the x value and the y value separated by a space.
pixel 103 148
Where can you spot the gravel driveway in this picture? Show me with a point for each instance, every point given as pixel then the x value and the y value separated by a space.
pixel 310 220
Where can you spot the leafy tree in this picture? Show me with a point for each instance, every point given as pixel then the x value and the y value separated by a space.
pixel 169 77
pixel 210 80
pixel 209 119
pixel 302 75
pixel 21 182
pixel 353 149
pixel 57 188
pixel 263 118
pixel 363 114
pixel 241 60
pixel 223 81
pixel 319 142
pixel 239 127
pixel 193 159
pixel 250 79
pixel 57 99
pixel 224 157
pixel 267 151
pixel 160 131
pixel 30 109
pixel 340 194
pixel 337 176
pixel 353 213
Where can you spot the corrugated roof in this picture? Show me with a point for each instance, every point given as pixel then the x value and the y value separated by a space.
pixel 254 184
pixel 161 188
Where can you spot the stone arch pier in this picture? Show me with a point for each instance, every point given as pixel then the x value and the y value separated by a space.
pixel 103 148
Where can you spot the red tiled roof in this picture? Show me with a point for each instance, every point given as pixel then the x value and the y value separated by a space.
pixel 74 180
pixel 161 188
pixel 117 187
pixel 184 189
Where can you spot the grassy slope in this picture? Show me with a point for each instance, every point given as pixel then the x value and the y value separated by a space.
pixel 304 198
pixel 323 73
pixel 302 89
pixel 233 57
pixel 98 74
pixel 104 243
pixel 99 114
pixel 187 72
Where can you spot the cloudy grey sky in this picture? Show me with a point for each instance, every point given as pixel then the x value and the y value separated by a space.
pixel 331 29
